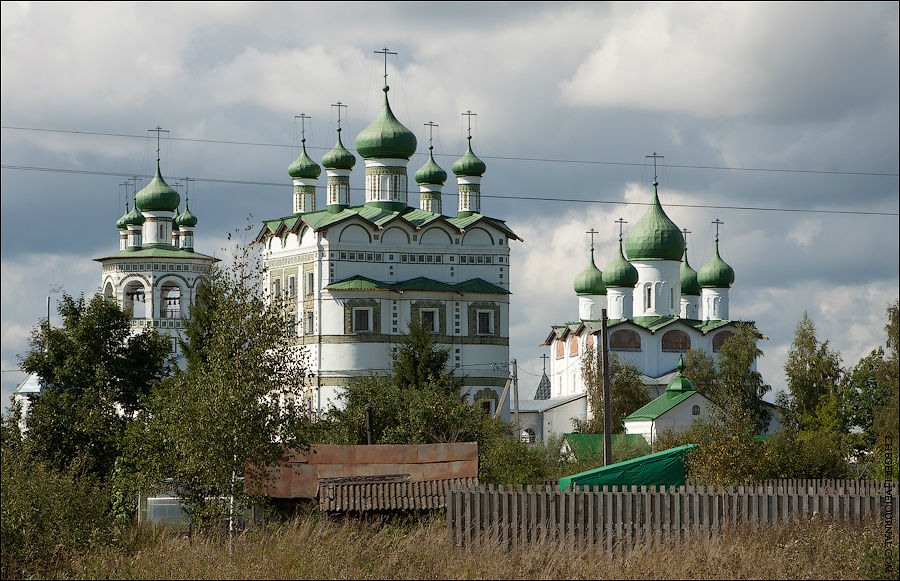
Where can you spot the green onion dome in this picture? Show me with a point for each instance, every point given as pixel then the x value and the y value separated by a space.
pixel 590 281
pixel 716 273
pixel 120 223
pixel 469 164
pixel 386 137
pixel 157 196
pixel 655 236
pixel 134 218
pixel 175 227
pixel 620 272
pixel 431 173
pixel 338 157
pixel 303 166
pixel 689 284
pixel 186 218
pixel 680 382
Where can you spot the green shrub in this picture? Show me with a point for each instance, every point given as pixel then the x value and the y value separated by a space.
pixel 511 461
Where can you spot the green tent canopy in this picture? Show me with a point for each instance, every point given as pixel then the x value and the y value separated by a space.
pixel 664 468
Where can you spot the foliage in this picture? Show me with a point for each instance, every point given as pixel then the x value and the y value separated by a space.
pixel 804 454
pixel 700 369
pixel 90 369
pixel 626 392
pixel 48 515
pixel 511 461
pixel 235 411
pixel 740 387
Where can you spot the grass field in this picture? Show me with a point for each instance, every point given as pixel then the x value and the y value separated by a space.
pixel 309 547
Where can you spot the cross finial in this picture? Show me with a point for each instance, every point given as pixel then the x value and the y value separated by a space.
pixel 385 52
pixel 134 182
pixel 545 358
pixel 158 130
pixel 592 232
pixel 655 157
pixel 303 117
pixel 718 223
pixel 339 106
pixel 431 125
pixel 187 185
pixel 468 114
pixel 685 232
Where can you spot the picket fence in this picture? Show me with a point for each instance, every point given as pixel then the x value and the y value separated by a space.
pixel 381 496
pixel 594 518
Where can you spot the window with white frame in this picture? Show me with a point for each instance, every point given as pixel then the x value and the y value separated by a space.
pixel 485 322
pixel 276 287
pixel 308 322
pixel 310 282
pixel 429 320
pixel 362 320
pixel 292 286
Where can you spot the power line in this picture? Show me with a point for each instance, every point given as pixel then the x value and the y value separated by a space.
pixel 534 198
pixel 498 157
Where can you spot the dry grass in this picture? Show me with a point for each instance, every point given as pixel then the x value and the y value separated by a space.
pixel 350 549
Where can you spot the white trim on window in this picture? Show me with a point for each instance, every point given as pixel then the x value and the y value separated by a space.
pixel 362 319
pixel 484 322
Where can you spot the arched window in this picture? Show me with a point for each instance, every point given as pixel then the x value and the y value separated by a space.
pixel 695 411
pixel 573 345
pixel 108 293
pixel 625 339
pixel 591 341
pixel 720 338
pixel 560 348
pixel 648 297
pixel 134 300
pixel 486 398
pixel 676 340
pixel 171 302
pixel 527 435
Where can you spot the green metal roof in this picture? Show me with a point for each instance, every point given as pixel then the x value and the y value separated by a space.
pixel 469 164
pixel 385 136
pixel 655 236
pixel 475 285
pixel 431 173
pixel 377 216
pixel 590 280
pixel 620 272
pixel 186 218
pixel 680 383
pixel 338 157
pixel 304 166
pixel 659 405
pixel 121 223
pixel 689 284
pixel 157 196
pixel 166 251
pixel 716 273
pixel 133 218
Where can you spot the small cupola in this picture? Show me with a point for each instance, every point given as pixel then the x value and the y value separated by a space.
pixel 431 173
pixel 468 170
pixel 689 284
pixel 680 383
pixel 304 167
pixel 716 273
pixel 590 280
pixel 620 273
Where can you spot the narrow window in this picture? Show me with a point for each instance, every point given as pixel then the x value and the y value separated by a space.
pixel 362 320
pixel 292 286
pixel 485 322
pixel 695 411
pixel 308 323
pixel 429 320
pixel 648 298
pixel 276 287
pixel 310 282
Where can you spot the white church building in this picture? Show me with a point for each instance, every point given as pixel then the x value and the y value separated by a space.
pixel 354 273
pixel 658 307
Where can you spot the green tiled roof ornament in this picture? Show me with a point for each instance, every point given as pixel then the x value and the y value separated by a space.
pixel 680 383
pixel 620 272
pixel 689 284
pixel 716 273
pixel 469 164
pixel 338 157
pixel 186 218
pixel 303 166
pixel 134 217
pixel 431 173
pixel 157 196
pixel 655 236
pixel 386 137
pixel 120 223
pixel 590 280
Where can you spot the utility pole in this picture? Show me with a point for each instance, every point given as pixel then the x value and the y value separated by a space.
pixel 604 362
pixel 515 380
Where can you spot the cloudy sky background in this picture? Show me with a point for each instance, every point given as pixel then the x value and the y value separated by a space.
pixel 569 97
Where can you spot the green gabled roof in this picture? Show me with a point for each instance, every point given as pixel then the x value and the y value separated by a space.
pixel 659 405
pixel 359 282
pixel 157 251
pixel 655 323
pixel 652 324
pixel 378 216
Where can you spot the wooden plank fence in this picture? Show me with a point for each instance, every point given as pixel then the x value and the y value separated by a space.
pixel 616 521
pixel 365 496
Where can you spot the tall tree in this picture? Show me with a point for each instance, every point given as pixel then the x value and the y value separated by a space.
pixel 700 369
pixel 234 413
pixel 95 376
pixel 740 385
pixel 626 392
pixel 813 372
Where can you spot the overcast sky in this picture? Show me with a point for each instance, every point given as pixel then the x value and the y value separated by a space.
pixel 582 92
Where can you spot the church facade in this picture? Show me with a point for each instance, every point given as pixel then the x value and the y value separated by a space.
pixel 355 273
pixel 658 307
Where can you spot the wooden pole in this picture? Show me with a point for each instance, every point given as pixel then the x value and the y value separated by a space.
pixel 515 384
pixel 604 362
